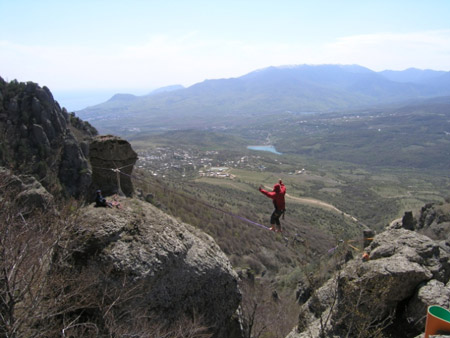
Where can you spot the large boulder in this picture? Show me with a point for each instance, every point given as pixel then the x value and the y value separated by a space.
pixel 112 160
pixel 433 292
pixel 415 247
pixel 179 269
pixel 394 285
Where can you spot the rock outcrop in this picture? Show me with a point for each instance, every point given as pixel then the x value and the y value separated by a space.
pixel 106 154
pixel 390 292
pixel 38 138
pixel 434 221
pixel 28 193
pixel 179 269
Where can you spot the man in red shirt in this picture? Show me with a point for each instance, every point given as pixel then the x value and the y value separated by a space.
pixel 277 195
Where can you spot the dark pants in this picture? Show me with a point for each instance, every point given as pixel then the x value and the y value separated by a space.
pixel 275 218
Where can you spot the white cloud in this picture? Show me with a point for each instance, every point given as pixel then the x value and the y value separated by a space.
pixel 164 60
pixel 394 51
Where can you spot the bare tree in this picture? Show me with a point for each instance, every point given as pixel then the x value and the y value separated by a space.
pixel 264 313
pixel 27 245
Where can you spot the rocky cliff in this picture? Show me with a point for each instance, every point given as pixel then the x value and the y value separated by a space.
pixel 39 138
pixel 388 294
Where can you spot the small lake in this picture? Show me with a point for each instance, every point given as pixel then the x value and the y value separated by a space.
pixel 264 148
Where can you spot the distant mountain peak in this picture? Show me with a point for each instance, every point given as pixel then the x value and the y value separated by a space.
pixel 122 97
pixel 412 75
pixel 312 67
pixel 166 89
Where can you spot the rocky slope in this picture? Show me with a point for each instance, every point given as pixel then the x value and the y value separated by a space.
pixel 173 268
pixel 29 193
pixel 39 138
pixel 388 294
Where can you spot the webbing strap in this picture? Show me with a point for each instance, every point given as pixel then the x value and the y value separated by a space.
pixel 201 202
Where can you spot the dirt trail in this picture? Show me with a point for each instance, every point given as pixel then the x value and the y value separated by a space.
pixel 318 203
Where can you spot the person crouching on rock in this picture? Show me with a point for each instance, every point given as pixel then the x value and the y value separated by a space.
pixel 277 195
pixel 100 201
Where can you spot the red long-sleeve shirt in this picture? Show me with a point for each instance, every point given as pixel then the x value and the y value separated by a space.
pixel 277 195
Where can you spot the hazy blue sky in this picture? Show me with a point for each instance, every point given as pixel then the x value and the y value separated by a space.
pixel 142 45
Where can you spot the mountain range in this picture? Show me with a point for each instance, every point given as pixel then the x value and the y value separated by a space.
pixel 297 89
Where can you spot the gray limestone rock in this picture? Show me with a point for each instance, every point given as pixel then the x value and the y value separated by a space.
pixel 432 293
pixel 45 96
pixel 49 130
pixel 33 195
pixel 37 140
pixel 36 106
pixel 74 171
pixel 181 270
pixel 408 221
pixel 40 137
pixel 106 153
pixel 29 194
pixel 23 131
pixel 13 106
pixel 404 266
